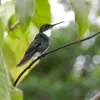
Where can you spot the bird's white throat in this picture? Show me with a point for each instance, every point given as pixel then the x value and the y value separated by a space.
pixel 48 33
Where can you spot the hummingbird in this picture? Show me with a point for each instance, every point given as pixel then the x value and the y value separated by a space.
pixel 39 45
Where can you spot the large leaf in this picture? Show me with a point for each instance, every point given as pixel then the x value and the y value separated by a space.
pixel 16 43
pixel 81 10
pixel 6 11
pixel 1 33
pixel 42 13
pixel 4 89
pixel 7 91
pixel 14 48
pixel 15 93
pixel 24 11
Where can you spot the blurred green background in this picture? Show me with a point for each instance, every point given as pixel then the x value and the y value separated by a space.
pixel 72 73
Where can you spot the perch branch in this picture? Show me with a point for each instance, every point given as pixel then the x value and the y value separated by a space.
pixel 52 51
pixel 96 97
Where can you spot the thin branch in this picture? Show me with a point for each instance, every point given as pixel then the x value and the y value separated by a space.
pixel 14 25
pixel 20 75
pixel 96 97
pixel 52 51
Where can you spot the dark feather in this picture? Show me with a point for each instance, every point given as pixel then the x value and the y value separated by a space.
pixel 39 44
pixel 25 59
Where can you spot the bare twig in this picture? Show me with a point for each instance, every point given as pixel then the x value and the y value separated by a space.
pixel 14 25
pixel 96 97
pixel 43 55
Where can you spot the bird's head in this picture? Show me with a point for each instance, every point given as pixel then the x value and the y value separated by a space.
pixel 46 27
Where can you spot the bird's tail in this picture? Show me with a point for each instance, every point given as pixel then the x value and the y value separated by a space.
pixel 24 60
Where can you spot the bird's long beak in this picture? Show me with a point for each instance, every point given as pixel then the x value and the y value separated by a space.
pixel 57 23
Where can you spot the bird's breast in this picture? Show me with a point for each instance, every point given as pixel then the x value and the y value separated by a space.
pixel 47 33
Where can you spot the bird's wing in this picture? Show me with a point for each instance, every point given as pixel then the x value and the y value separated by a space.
pixel 31 50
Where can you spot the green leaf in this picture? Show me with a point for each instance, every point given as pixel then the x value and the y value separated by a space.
pixel 1 33
pixel 6 11
pixel 7 91
pixel 24 11
pixel 42 13
pixel 15 93
pixel 94 27
pixel 4 86
pixel 81 10
pixel 14 48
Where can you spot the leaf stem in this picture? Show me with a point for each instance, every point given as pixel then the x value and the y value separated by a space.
pixel 14 25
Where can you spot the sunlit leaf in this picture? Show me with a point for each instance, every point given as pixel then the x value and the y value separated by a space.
pixel 14 48
pixel 42 13
pixel 24 11
pixel 1 33
pixel 6 11
pixel 81 10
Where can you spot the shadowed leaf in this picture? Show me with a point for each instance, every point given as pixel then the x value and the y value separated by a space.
pixel 1 33
pixel 24 11
pixel 7 91
pixel 81 10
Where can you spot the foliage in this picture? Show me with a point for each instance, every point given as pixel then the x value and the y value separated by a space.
pixel 60 75
pixel 1 33
pixel 24 11
pixel 20 39
pixel 42 13
pixel 81 15
pixel 7 91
